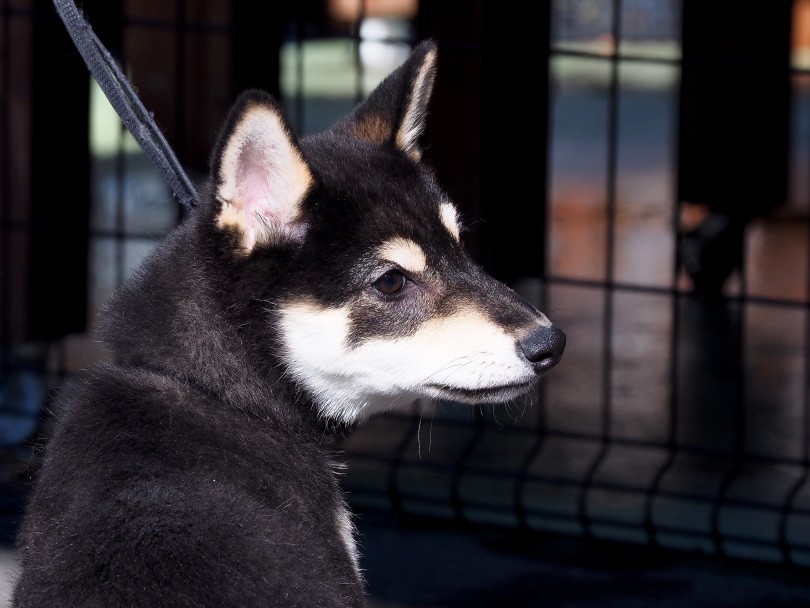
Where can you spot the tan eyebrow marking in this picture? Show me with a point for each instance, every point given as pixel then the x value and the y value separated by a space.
pixel 404 252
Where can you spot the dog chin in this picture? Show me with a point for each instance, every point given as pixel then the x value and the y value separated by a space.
pixel 481 395
pixel 361 407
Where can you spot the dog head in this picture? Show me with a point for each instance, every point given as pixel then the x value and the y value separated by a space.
pixel 370 299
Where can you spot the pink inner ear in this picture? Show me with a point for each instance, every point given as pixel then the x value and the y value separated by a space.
pixel 253 173
pixel 264 180
pixel 260 189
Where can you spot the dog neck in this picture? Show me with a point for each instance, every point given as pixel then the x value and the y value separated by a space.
pixel 169 319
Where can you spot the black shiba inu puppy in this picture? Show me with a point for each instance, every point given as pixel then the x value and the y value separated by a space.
pixel 317 282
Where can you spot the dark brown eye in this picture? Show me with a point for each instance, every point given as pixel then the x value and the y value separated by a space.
pixel 391 282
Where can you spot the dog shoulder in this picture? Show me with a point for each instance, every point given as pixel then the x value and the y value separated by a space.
pixel 167 482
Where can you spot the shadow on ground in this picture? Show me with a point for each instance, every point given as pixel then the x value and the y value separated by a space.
pixel 416 564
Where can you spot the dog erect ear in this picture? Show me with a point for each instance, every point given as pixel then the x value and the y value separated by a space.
pixel 259 175
pixel 394 112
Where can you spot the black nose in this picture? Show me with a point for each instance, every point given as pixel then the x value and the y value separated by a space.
pixel 543 347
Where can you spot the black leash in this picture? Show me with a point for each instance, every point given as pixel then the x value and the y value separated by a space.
pixel 136 118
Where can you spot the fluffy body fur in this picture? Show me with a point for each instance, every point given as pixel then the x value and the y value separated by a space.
pixel 318 281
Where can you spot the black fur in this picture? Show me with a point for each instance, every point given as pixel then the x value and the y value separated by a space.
pixel 192 470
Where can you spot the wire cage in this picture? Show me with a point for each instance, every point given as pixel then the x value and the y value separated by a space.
pixel 674 255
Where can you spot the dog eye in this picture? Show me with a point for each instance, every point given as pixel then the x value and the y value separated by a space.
pixel 391 282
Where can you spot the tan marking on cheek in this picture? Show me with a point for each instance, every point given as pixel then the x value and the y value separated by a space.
pixel 449 217
pixel 404 252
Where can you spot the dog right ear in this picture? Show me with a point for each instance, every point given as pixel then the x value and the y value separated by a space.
pixel 394 112
pixel 259 175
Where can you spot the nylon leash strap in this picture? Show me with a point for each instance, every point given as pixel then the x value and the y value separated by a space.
pixel 125 101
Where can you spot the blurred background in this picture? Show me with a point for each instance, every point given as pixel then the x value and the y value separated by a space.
pixel 640 169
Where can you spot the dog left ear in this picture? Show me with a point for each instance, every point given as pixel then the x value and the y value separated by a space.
pixel 394 112
pixel 259 174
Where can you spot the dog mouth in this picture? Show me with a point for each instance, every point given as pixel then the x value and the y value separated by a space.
pixel 488 394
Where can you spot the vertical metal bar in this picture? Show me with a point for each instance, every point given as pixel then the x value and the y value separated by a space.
pixel 461 464
pixel 793 493
pixel 738 450
pixel 180 30
pixel 672 435
pixel 522 475
pixel 5 195
pixel 358 63
pixel 394 493
pixel 607 320
pixel 674 354
pixel 180 96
